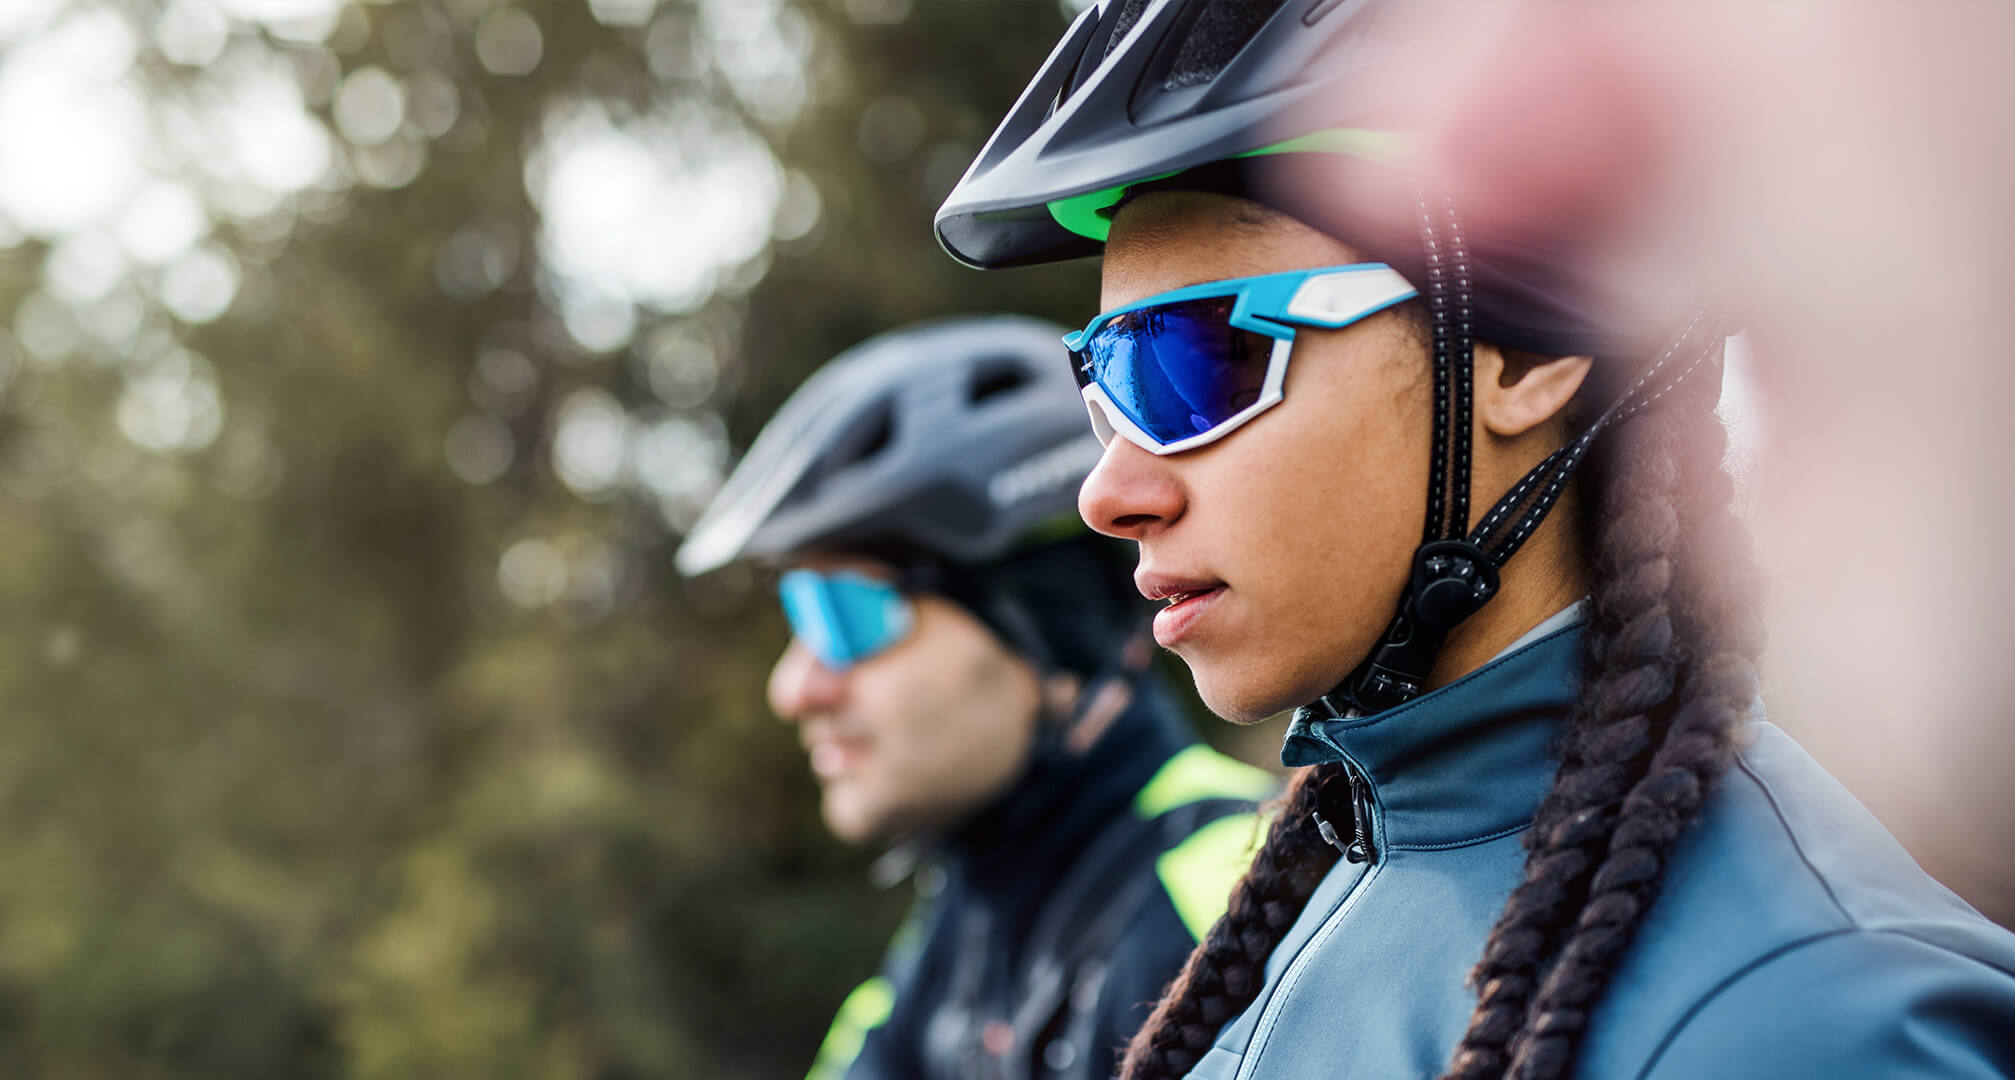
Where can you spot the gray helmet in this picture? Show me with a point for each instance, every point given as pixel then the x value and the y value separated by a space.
pixel 953 439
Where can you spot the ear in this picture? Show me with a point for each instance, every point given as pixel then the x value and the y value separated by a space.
pixel 1517 391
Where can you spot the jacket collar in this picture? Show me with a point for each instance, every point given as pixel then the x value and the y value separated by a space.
pixel 1468 761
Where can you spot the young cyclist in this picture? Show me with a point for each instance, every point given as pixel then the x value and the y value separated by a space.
pixel 1542 832
pixel 967 676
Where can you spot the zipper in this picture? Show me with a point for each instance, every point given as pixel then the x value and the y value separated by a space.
pixel 1360 849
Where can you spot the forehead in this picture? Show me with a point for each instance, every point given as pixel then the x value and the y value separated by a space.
pixel 1170 239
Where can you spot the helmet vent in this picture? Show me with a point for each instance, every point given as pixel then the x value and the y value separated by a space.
pixel 1129 14
pixel 868 436
pixel 1220 31
pixel 991 379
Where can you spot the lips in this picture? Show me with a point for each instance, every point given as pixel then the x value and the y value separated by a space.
pixel 1187 600
pixel 833 755
pixel 1159 586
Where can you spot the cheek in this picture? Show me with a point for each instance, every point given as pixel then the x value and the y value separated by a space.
pixel 1339 471
pixel 1319 510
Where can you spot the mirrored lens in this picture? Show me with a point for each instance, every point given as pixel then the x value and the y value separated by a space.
pixel 843 618
pixel 1177 370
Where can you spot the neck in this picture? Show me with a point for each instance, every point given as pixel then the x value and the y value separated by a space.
pixel 1546 575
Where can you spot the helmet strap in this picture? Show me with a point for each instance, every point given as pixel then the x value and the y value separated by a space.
pixel 1456 569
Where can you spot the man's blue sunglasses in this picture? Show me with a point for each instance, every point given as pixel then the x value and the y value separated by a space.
pixel 844 617
pixel 1187 367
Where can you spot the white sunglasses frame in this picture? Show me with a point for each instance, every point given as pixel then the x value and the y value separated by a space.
pixel 1328 299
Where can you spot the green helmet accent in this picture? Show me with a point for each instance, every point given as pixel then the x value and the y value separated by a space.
pixel 1090 215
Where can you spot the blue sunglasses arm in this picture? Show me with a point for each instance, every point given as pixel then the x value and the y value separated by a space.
pixel 1263 300
pixel 1261 307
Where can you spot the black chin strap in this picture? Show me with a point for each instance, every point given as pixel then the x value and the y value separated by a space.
pixel 1455 570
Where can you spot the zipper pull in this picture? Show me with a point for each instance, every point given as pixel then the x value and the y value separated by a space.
pixel 1328 833
pixel 1360 849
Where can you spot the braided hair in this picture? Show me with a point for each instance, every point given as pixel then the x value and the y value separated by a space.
pixel 1669 675
pixel 1227 968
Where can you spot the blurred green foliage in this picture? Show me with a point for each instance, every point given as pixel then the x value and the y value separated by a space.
pixel 322 760
pixel 349 730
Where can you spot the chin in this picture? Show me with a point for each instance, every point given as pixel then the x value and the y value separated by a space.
pixel 1239 701
pixel 1248 693
pixel 851 823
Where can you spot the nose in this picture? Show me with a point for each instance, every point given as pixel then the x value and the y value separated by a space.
pixel 1131 493
pixel 801 686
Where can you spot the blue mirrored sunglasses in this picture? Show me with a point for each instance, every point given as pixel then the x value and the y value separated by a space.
pixel 1187 367
pixel 844 617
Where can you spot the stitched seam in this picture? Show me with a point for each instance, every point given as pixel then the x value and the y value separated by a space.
pixel 1734 977
pixel 1452 844
pixel 1911 935
pixel 1753 966
pixel 1282 993
pixel 1742 763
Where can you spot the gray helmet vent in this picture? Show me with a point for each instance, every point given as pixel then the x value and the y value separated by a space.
pixel 866 438
pixel 995 377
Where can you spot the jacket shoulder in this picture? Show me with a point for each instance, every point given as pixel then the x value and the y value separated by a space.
pixel 1785 870
pixel 1859 1003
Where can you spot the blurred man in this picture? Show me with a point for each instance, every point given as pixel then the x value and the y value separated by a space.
pixel 968 676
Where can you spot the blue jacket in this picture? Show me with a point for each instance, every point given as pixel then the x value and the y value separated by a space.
pixel 1047 926
pixel 1794 937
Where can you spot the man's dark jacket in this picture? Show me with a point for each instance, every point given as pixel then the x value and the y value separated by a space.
pixel 1047 925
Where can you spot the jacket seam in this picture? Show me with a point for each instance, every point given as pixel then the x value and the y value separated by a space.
pixel 1791 835
pixel 1700 1005
pixel 1261 1038
pixel 1471 842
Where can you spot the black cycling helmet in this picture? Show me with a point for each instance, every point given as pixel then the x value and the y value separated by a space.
pixel 1279 101
pixel 1285 102
pixel 952 439
pixel 1139 91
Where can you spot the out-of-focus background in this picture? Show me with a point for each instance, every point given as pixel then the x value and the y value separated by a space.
pixel 360 364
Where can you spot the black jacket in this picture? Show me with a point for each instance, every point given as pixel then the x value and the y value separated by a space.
pixel 1047 925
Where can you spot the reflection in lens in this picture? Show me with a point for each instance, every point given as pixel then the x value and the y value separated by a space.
pixel 1178 370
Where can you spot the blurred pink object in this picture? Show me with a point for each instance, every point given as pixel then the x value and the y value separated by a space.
pixel 1840 174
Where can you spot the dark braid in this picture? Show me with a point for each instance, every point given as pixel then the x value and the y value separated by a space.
pixel 1669 679
pixel 1227 969
pixel 1628 684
